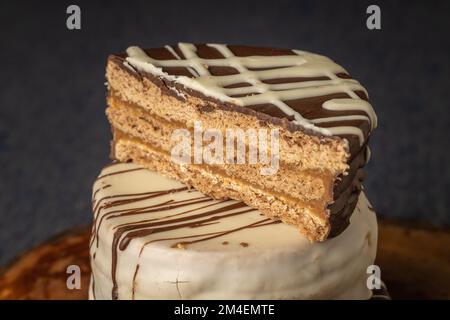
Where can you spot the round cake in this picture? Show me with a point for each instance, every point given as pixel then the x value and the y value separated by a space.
pixel 155 238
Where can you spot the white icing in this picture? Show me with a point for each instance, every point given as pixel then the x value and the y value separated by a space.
pixel 352 104
pixel 303 64
pixel 278 262
pixel 368 154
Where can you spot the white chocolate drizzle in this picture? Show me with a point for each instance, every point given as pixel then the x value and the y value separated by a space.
pixel 300 65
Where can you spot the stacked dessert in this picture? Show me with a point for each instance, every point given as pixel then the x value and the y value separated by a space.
pixel 237 176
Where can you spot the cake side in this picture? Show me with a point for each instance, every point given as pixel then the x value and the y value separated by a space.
pixel 153 238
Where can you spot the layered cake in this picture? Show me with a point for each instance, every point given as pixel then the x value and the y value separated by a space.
pixel 305 118
pixel 222 154
pixel 156 238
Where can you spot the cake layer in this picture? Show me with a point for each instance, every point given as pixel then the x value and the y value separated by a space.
pixel 154 238
pixel 310 183
pixel 321 115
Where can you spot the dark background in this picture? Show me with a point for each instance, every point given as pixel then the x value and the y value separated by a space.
pixel 54 137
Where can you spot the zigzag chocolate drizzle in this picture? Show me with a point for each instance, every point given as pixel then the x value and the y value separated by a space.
pixel 185 210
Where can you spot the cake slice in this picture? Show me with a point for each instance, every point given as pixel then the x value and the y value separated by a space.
pixel 311 121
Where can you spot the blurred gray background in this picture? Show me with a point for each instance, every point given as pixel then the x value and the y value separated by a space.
pixel 54 137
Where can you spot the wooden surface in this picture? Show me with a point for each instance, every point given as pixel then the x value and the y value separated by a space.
pixel 414 262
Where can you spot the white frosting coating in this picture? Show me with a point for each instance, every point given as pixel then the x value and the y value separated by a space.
pixel 261 259
pixel 303 64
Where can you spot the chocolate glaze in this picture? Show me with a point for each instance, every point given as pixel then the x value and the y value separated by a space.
pixel 134 281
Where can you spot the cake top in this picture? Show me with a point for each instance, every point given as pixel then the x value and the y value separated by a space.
pixel 309 90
